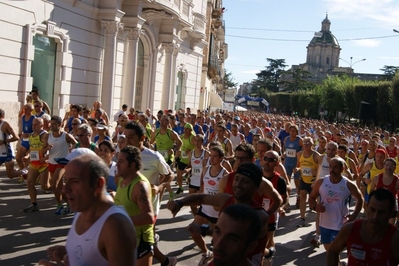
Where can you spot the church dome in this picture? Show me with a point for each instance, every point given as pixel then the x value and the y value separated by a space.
pixel 324 37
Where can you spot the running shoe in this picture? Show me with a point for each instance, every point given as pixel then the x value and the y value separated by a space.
pixel 206 257
pixel 315 243
pixel 172 261
pixel 67 210
pixel 59 210
pixel 32 208
pixel 179 190
pixel 301 223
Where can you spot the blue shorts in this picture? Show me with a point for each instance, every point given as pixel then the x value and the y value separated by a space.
pixel 25 144
pixel 366 196
pixel 7 156
pixel 327 235
pixel 289 169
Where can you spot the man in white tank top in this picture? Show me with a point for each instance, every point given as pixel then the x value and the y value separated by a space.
pixel 59 143
pixel 101 233
pixel 334 190
pixel 236 137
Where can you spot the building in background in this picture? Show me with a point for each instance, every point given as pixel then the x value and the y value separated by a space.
pixel 159 54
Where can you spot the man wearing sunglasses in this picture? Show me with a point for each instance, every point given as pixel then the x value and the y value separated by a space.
pixel 269 163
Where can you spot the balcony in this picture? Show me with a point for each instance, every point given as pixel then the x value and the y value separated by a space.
pixel 216 23
pixel 217 13
pixel 198 26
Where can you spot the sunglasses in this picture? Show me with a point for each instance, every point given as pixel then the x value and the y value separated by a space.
pixel 74 124
pixel 82 135
pixel 37 105
pixel 270 160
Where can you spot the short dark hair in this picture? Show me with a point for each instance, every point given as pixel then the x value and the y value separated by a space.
pixel 57 119
pixel 108 144
pixel 78 107
pixel 133 155
pixel 219 150
pixel 2 113
pixel 124 106
pixel 93 120
pixel 246 214
pixel 343 147
pixel 269 144
pixel 247 148
pixel 137 127
pixel 382 194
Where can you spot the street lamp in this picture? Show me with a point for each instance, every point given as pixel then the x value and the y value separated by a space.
pixel 352 64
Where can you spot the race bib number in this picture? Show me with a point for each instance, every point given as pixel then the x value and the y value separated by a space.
pixel 184 154
pixel 266 204
pixel 196 170
pixel 358 254
pixel 291 153
pixel 34 156
pixel 306 171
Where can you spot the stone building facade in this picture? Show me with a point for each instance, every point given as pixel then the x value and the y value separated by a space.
pixel 157 54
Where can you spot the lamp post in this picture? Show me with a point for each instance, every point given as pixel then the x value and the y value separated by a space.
pixel 352 64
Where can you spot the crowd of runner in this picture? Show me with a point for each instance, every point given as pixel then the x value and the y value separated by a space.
pixel 225 158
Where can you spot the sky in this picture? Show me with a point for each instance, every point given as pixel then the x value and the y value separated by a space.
pixel 364 29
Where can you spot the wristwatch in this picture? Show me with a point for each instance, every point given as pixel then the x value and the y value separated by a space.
pixel 204 229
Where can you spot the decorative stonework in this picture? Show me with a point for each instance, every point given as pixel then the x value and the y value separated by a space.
pixel 111 27
pixel 169 47
pixel 133 33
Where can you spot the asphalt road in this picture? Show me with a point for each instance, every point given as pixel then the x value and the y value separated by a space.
pixel 24 237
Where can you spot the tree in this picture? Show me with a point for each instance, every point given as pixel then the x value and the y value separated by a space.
pixel 389 71
pixel 269 78
pixel 228 80
pixel 297 80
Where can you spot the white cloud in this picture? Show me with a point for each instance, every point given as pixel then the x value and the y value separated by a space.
pixel 366 43
pixel 383 11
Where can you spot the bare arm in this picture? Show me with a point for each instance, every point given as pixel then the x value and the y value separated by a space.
pixel 338 245
pixel 141 195
pixel 217 200
pixel 223 183
pixel 117 241
pixel 359 200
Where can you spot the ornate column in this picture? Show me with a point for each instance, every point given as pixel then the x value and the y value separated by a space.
pixel 167 76
pixel 108 80
pixel 130 66
pixel 174 76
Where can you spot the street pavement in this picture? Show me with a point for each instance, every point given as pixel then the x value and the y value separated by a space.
pixel 24 237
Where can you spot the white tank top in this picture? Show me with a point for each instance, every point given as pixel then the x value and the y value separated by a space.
pixel 60 147
pixel 211 187
pixel 325 167
pixel 335 198
pixel 196 168
pixel 235 140
pixel 83 249
pixel 4 149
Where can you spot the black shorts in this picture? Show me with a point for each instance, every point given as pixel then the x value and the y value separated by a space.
pixel 144 248
pixel 181 166
pixel 211 219
pixel 194 187
pixel 305 186
pixel 271 227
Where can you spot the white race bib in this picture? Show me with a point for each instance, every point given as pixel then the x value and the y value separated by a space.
pixel 291 153
pixel 34 156
pixel 164 154
pixel 266 204
pixel 306 171
pixel 184 154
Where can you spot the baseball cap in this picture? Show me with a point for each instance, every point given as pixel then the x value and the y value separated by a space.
pixel 237 118
pixel 101 126
pixel 381 151
pixel 252 171
pixel 73 154
pixel 189 126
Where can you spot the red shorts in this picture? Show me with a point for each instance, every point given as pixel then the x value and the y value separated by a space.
pixel 53 167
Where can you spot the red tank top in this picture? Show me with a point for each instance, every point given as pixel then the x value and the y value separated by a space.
pixel 360 253
pixel 265 201
pixel 391 187
pixel 260 247
pixel 229 184
pixel 392 153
